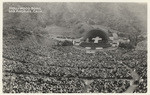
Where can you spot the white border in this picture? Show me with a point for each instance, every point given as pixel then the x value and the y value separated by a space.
pixel 148 40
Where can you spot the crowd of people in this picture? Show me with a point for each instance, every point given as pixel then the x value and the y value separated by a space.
pixel 107 86
pixel 142 87
pixel 76 64
pixel 19 83
pixel 62 69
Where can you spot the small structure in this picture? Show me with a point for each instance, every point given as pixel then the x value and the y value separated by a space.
pixel 115 43
pixel 99 48
pixel 76 42
pixel 124 40
pixel 87 47
pixel 115 36
pixel 111 38
pixel 87 40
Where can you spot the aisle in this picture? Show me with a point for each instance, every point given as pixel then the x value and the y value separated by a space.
pixel 135 77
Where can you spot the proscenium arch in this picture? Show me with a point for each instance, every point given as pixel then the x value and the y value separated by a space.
pixel 96 33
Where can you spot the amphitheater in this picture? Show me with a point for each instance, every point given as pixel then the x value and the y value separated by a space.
pixel 98 38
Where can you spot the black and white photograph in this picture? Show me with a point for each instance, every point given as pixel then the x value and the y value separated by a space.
pixel 74 47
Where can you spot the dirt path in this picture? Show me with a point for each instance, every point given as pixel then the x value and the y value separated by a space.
pixel 135 77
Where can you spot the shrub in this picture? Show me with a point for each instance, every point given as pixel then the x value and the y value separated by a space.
pixel 67 43
pixel 126 45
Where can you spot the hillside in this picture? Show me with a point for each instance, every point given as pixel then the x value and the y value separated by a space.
pixel 118 16
pixel 74 19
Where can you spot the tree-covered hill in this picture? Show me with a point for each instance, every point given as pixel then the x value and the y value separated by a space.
pixel 129 18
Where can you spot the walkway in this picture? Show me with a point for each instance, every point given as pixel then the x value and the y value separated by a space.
pixel 135 77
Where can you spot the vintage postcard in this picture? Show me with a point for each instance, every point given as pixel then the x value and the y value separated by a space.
pixel 74 47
